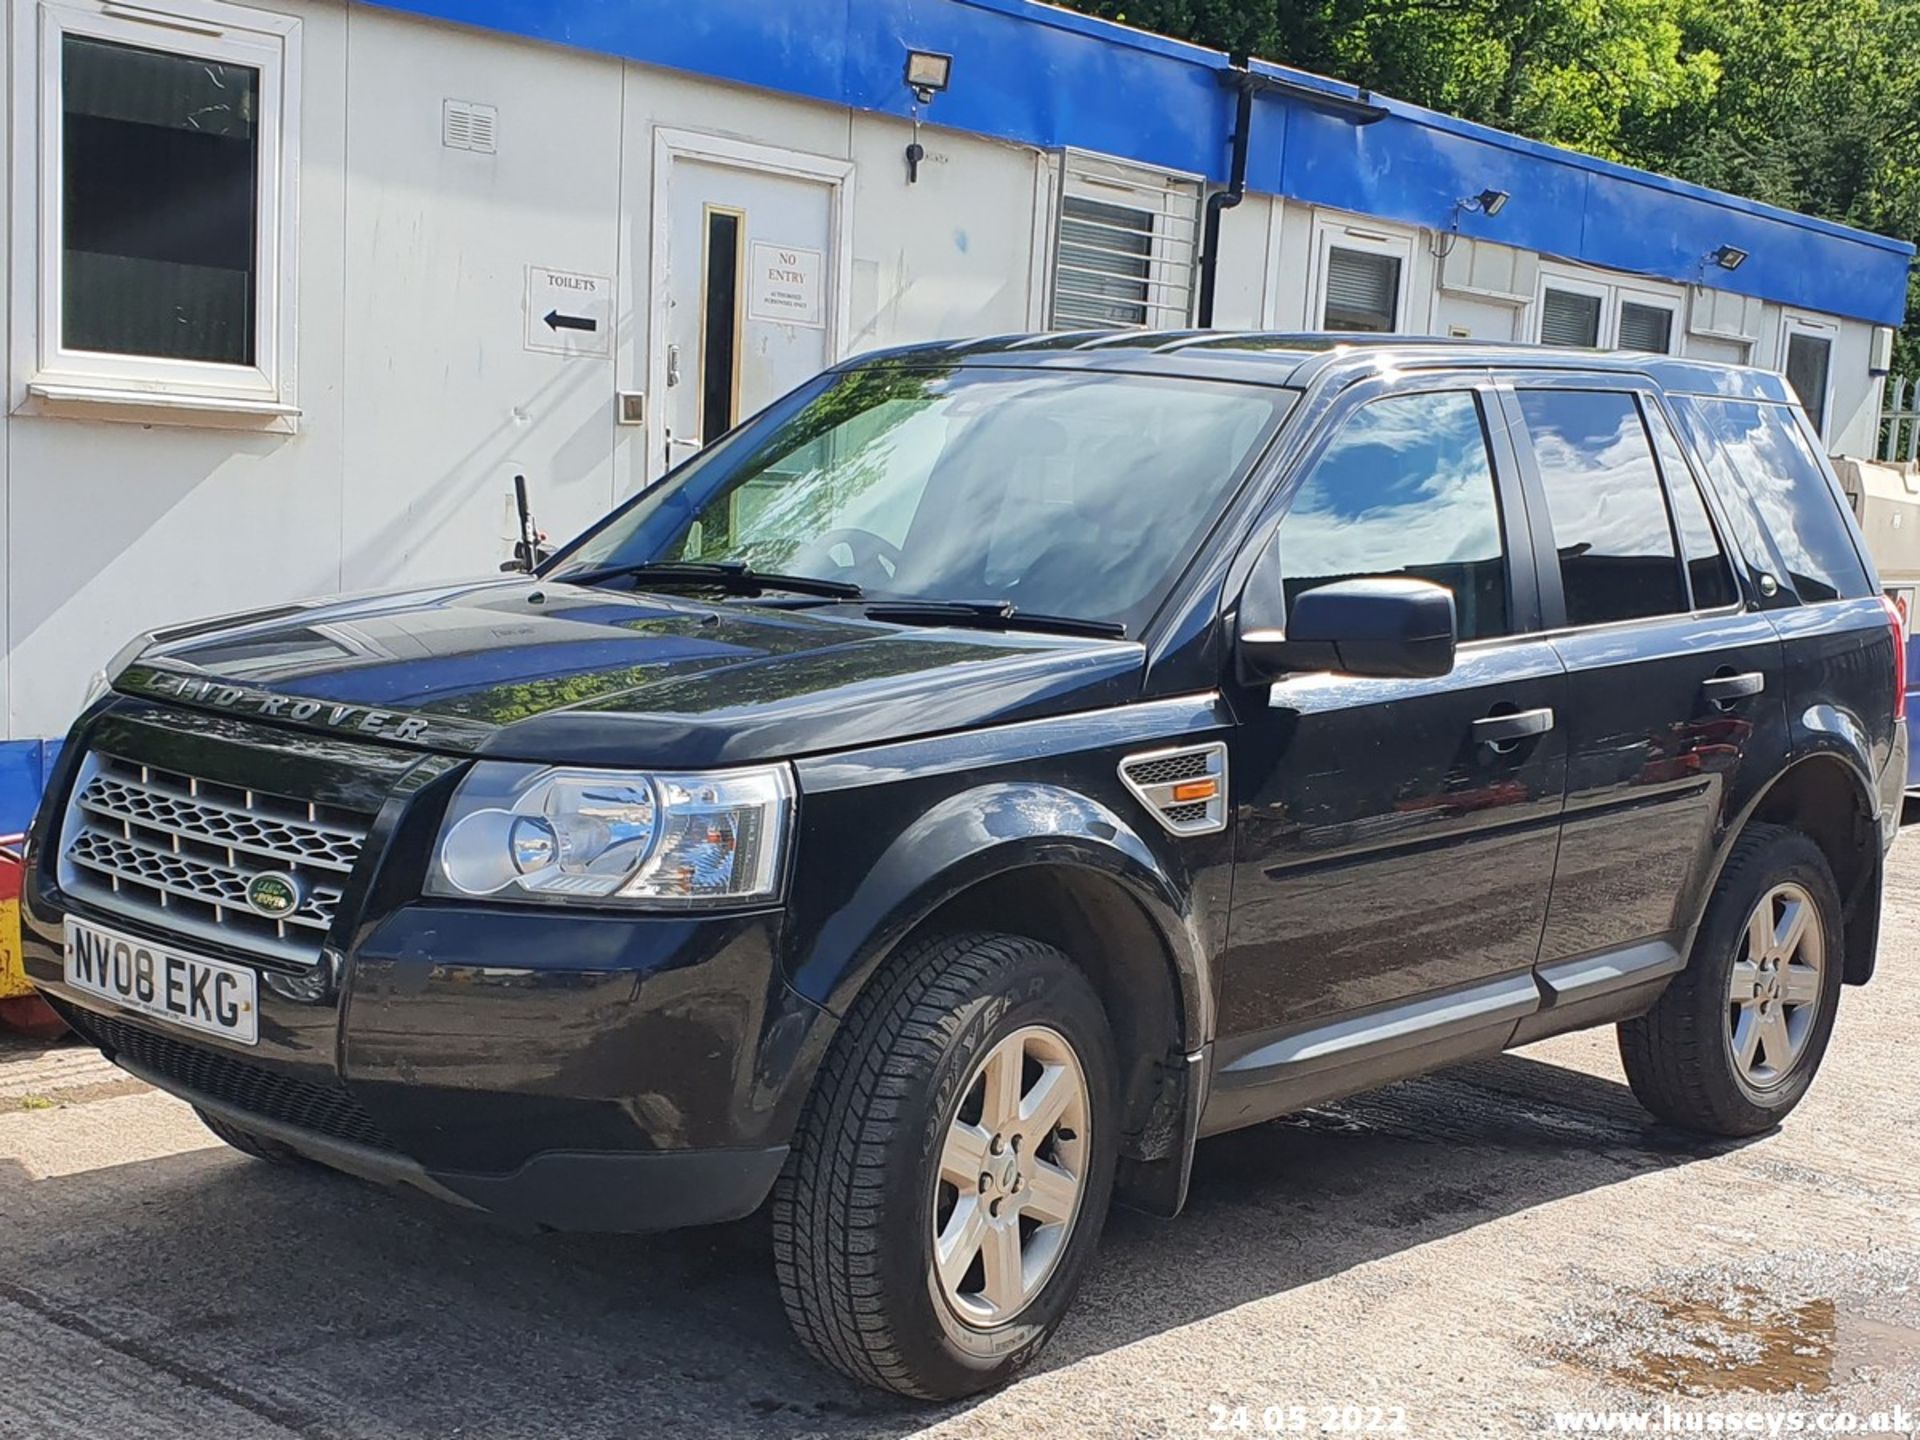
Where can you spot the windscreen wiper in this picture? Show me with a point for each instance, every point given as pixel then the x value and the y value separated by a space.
pixel 989 615
pixel 735 576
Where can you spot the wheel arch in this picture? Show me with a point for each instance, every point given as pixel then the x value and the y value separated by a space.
pixel 1826 797
pixel 1060 867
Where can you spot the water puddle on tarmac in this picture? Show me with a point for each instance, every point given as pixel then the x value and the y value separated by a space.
pixel 1741 1340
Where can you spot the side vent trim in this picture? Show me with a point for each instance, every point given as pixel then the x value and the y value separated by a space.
pixel 1184 788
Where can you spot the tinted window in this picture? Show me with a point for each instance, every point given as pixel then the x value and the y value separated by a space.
pixel 1766 459
pixel 159 159
pixel 1808 359
pixel 1404 488
pixel 1610 526
pixel 1707 565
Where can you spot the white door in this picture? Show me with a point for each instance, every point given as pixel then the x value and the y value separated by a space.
pixel 750 279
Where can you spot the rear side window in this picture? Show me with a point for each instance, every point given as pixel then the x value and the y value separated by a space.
pixel 1707 565
pixel 1609 512
pixel 1404 488
pixel 1763 457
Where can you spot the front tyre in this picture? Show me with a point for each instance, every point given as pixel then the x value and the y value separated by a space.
pixel 1735 1041
pixel 952 1174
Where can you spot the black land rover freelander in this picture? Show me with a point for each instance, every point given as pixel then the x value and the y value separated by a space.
pixel 993 769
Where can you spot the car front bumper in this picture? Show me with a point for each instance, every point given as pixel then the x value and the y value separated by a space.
pixel 575 1072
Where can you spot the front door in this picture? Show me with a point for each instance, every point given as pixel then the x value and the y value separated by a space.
pixel 749 282
pixel 1395 837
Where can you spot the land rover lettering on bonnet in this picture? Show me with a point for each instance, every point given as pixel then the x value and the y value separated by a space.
pixel 938 804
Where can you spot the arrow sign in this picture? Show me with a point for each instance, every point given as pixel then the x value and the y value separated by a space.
pixel 569 313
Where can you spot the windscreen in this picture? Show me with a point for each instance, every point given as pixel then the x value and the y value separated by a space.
pixel 1063 492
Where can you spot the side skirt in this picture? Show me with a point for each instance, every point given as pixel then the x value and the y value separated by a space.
pixel 1276 1072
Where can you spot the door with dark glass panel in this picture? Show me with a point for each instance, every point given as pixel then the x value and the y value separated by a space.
pixel 1394 853
pixel 1671 682
pixel 750 295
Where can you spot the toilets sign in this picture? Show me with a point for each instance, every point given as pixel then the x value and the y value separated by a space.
pixel 786 285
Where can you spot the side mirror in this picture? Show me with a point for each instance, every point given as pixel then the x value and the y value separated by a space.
pixel 1386 628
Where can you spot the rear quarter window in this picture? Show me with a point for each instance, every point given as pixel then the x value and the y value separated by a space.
pixel 1758 455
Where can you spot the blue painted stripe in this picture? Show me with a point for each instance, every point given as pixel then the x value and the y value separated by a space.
pixel 1036 75
pixel 24 767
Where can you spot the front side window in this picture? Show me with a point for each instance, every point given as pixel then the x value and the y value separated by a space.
pixel 1063 493
pixel 1606 503
pixel 166 249
pixel 1405 487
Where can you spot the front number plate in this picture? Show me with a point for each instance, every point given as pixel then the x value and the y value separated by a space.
pixel 186 990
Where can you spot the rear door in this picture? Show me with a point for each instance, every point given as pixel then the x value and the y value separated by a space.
pixel 1672 683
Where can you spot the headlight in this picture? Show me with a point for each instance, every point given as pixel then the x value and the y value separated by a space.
pixel 516 832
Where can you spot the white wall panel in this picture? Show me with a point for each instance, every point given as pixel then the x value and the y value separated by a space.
pixel 950 256
pixel 445 402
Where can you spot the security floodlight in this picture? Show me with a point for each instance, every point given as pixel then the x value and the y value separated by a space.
pixel 1729 257
pixel 1492 202
pixel 928 73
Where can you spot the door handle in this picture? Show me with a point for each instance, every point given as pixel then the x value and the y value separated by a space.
pixel 1725 691
pixel 691 447
pixel 1504 732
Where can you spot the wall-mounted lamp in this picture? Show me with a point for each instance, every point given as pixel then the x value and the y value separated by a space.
pixel 929 73
pixel 1488 202
pixel 1729 257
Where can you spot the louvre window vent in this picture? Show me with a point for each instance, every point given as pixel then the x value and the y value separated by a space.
pixel 467 126
pixel 1186 788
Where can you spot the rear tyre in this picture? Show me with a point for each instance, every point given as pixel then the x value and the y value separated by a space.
pixel 259 1147
pixel 951 1176
pixel 1735 1041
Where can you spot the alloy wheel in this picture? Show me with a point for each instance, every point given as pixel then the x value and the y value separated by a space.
pixel 1012 1170
pixel 1775 987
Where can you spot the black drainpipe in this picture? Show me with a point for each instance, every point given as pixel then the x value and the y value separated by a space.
pixel 1358 107
pixel 1222 201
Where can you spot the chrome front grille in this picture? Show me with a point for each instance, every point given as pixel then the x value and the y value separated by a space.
pixel 180 851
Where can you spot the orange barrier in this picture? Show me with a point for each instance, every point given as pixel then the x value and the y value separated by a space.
pixel 21 1008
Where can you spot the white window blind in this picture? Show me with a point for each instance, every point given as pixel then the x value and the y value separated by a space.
pixel 1568 317
pixel 1129 242
pixel 1645 327
pixel 1363 290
